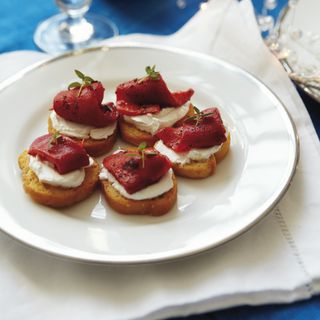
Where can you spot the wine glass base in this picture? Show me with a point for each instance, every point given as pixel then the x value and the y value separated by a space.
pixel 49 39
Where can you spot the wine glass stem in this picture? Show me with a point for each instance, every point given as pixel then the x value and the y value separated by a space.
pixel 75 28
pixel 74 8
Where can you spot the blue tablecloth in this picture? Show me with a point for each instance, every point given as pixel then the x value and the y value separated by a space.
pixel 18 20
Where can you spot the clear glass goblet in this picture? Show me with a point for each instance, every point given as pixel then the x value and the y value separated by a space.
pixel 73 28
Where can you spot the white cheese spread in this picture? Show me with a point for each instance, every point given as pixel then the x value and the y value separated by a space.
pixel 152 191
pixel 47 174
pixel 196 154
pixel 80 131
pixel 152 122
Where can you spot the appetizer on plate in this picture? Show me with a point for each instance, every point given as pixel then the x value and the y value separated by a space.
pixel 80 114
pixel 57 171
pixel 139 182
pixel 196 145
pixel 146 105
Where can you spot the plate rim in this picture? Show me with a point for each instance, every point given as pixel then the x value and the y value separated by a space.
pixel 162 257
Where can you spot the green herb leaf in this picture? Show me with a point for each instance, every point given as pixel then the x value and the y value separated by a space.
pixel 79 74
pixel 132 154
pixel 142 146
pixel 74 85
pixel 199 116
pixel 54 139
pixel 152 74
pixel 196 110
pixel 142 153
pixel 86 81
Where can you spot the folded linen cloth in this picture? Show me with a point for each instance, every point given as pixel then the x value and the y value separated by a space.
pixel 276 261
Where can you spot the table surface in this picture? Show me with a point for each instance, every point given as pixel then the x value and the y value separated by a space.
pixel 154 17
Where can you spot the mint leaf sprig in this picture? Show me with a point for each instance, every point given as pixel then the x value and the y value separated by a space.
pixel 142 153
pixel 86 81
pixel 199 116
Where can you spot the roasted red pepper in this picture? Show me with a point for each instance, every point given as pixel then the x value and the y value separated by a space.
pixel 203 132
pixel 131 109
pixel 136 96
pixel 135 173
pixel 84 106
pixel 62 152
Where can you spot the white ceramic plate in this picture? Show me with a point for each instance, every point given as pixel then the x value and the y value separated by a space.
pixel 209 212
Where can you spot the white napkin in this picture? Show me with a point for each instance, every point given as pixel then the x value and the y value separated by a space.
pixel 276 261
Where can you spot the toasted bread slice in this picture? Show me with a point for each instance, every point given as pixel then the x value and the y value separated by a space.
pixel 54 196
pixel 93 147
pixel 204 168
pixel 220 155
pixel 196 169
pixel 153 207
pixel 130 133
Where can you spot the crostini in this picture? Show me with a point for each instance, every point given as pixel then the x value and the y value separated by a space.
pixel 57 171
pixel 80 114
pixel 146 105
pixel 139 182
pixel 197 145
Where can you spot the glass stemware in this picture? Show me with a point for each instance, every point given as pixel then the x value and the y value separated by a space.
pixel 74 28
pixel 297 48
pixel 266 20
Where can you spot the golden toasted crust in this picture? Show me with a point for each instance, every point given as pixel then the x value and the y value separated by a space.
pixel 135 136
pixel 220 155
pixel 130 133
pixel 93 147
pixel 196 169
pixel 153 207
pixel 205 168
pixel 53 196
